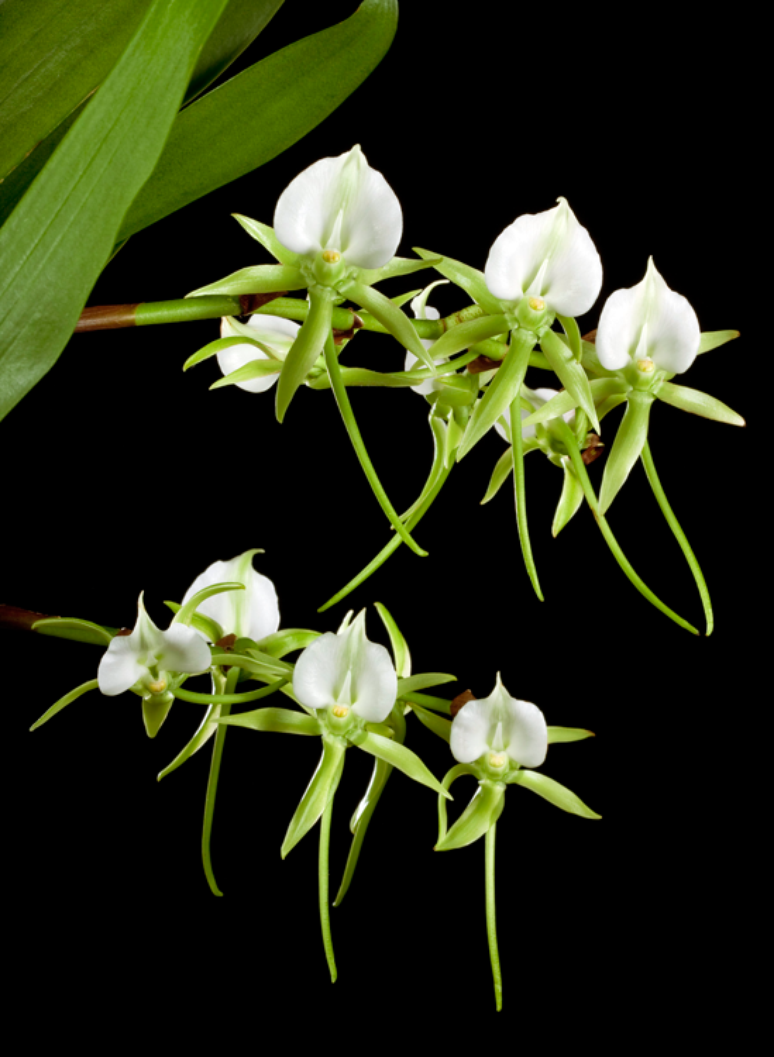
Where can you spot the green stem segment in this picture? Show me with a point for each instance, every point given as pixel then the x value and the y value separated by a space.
pixel 323 879
pixel 520 493
pixel 221 684
pixel 574 452
pixel 342 399
pixel 674 524
pixel 491 915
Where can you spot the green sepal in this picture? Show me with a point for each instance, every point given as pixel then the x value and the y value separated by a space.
pixel 481 813
pixel 319 792
pixel 471 280
pixel 399 757
pixel 711 339
pixel 422 681
pixel 500 474
pixel 63 702
pixel 187 610
pixel 627 447
pixel 155 709
pixel 308 345
pixel 246 373
pixel 572 331
pixel 565 401
pixel 698 403
pixel 397 266
pixel 436 704
pixel 360 821
pixel 553 792
pixel 258 279
pixel 560 735
pixel 570 500
pixel 229 699
pixel 75 629
pixel 391 317
pixel 265 235
pixel 275 720
pixel 610 404
pixel 280 643
pixel 469 333
pixel 449 779
pixel 502 391
pixel 438 725
pixel 400 650
pixel 520 496
pixel 204 732
pixel 261 665
pixel 219 345
pixel 569 372
pixel 208 627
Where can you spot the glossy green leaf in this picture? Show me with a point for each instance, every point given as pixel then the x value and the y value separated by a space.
pixel 553 792
pixel 187 610
pixel 422 681
pixel 471 280
pixel 698 403
pixel 627 447
pixel 482 812
pixel 401 758
pixel 438 725
pixel 714 338
pixel 570 500
pixel 275 720
pixel 63 702
pixel 560 735
pixel 570 373
pixel 500 393
pixel 400 650
pixel 318 793
pixel 75 629
pixel 62 232
pixel 262 111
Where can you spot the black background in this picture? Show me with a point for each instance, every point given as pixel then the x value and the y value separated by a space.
pixel 122 474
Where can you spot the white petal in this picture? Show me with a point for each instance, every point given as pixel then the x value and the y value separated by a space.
pixel 344 199
pixel 525 734
pixel 252 613
pixel 470 732
pixel 374 680
pixel 119 668
pixel 549 254
pixel 500 723
pixel 273 331
pixel 184 650
pixel 649 320
pixel 316 676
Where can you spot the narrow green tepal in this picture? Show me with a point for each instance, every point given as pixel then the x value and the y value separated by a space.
pixel 62 232
pixel 318 793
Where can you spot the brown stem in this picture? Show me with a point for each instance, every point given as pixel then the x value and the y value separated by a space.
pixel 14 619
pixel 107 317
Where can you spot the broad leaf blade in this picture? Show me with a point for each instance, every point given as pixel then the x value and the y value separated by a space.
pixel 262 111
pixel 62 232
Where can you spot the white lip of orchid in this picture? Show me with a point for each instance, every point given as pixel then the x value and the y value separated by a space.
pixel 347 675
pixel 341 212
pixel 647 327
pixel 498 729
pixel 274 331
pixel 252 613
pixel 147 657
pixel 422 310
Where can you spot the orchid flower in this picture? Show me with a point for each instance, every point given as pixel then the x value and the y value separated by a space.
pixel 422 310
pixel 252 613
pixel 646 335
pixel 499 740
pixel 274 332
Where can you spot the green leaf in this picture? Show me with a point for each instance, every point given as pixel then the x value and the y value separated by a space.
pixel 553 792
pixel 438 725
pixel 422 681
pixel 500 474
pixel 713 338
pixel 502 390
pixel 63 702
pixel 391 317
pixel 75 629
pixel 318 793
pixel 276 720
pixel 187 610
pixel 698 403
pixel 257 279
pixel 482 812
pixel 262 111
pixel 569 501
pixel 61 234
pixel 400 650
pixel 627 447
pixel 570 373
pixel 265 235
pixel 471 280
pixel 559 735
pixel 308 345
pixel 401 758
pixel 280 643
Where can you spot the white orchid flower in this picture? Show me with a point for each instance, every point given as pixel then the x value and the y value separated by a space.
pixel 279 334
pixel 346 672
pixel 422 310
pixel 502 729
pixel 648 326
pixel 252 613
pixel 537 397
pixel 343 209
pixel 548 257
pixel 147 656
